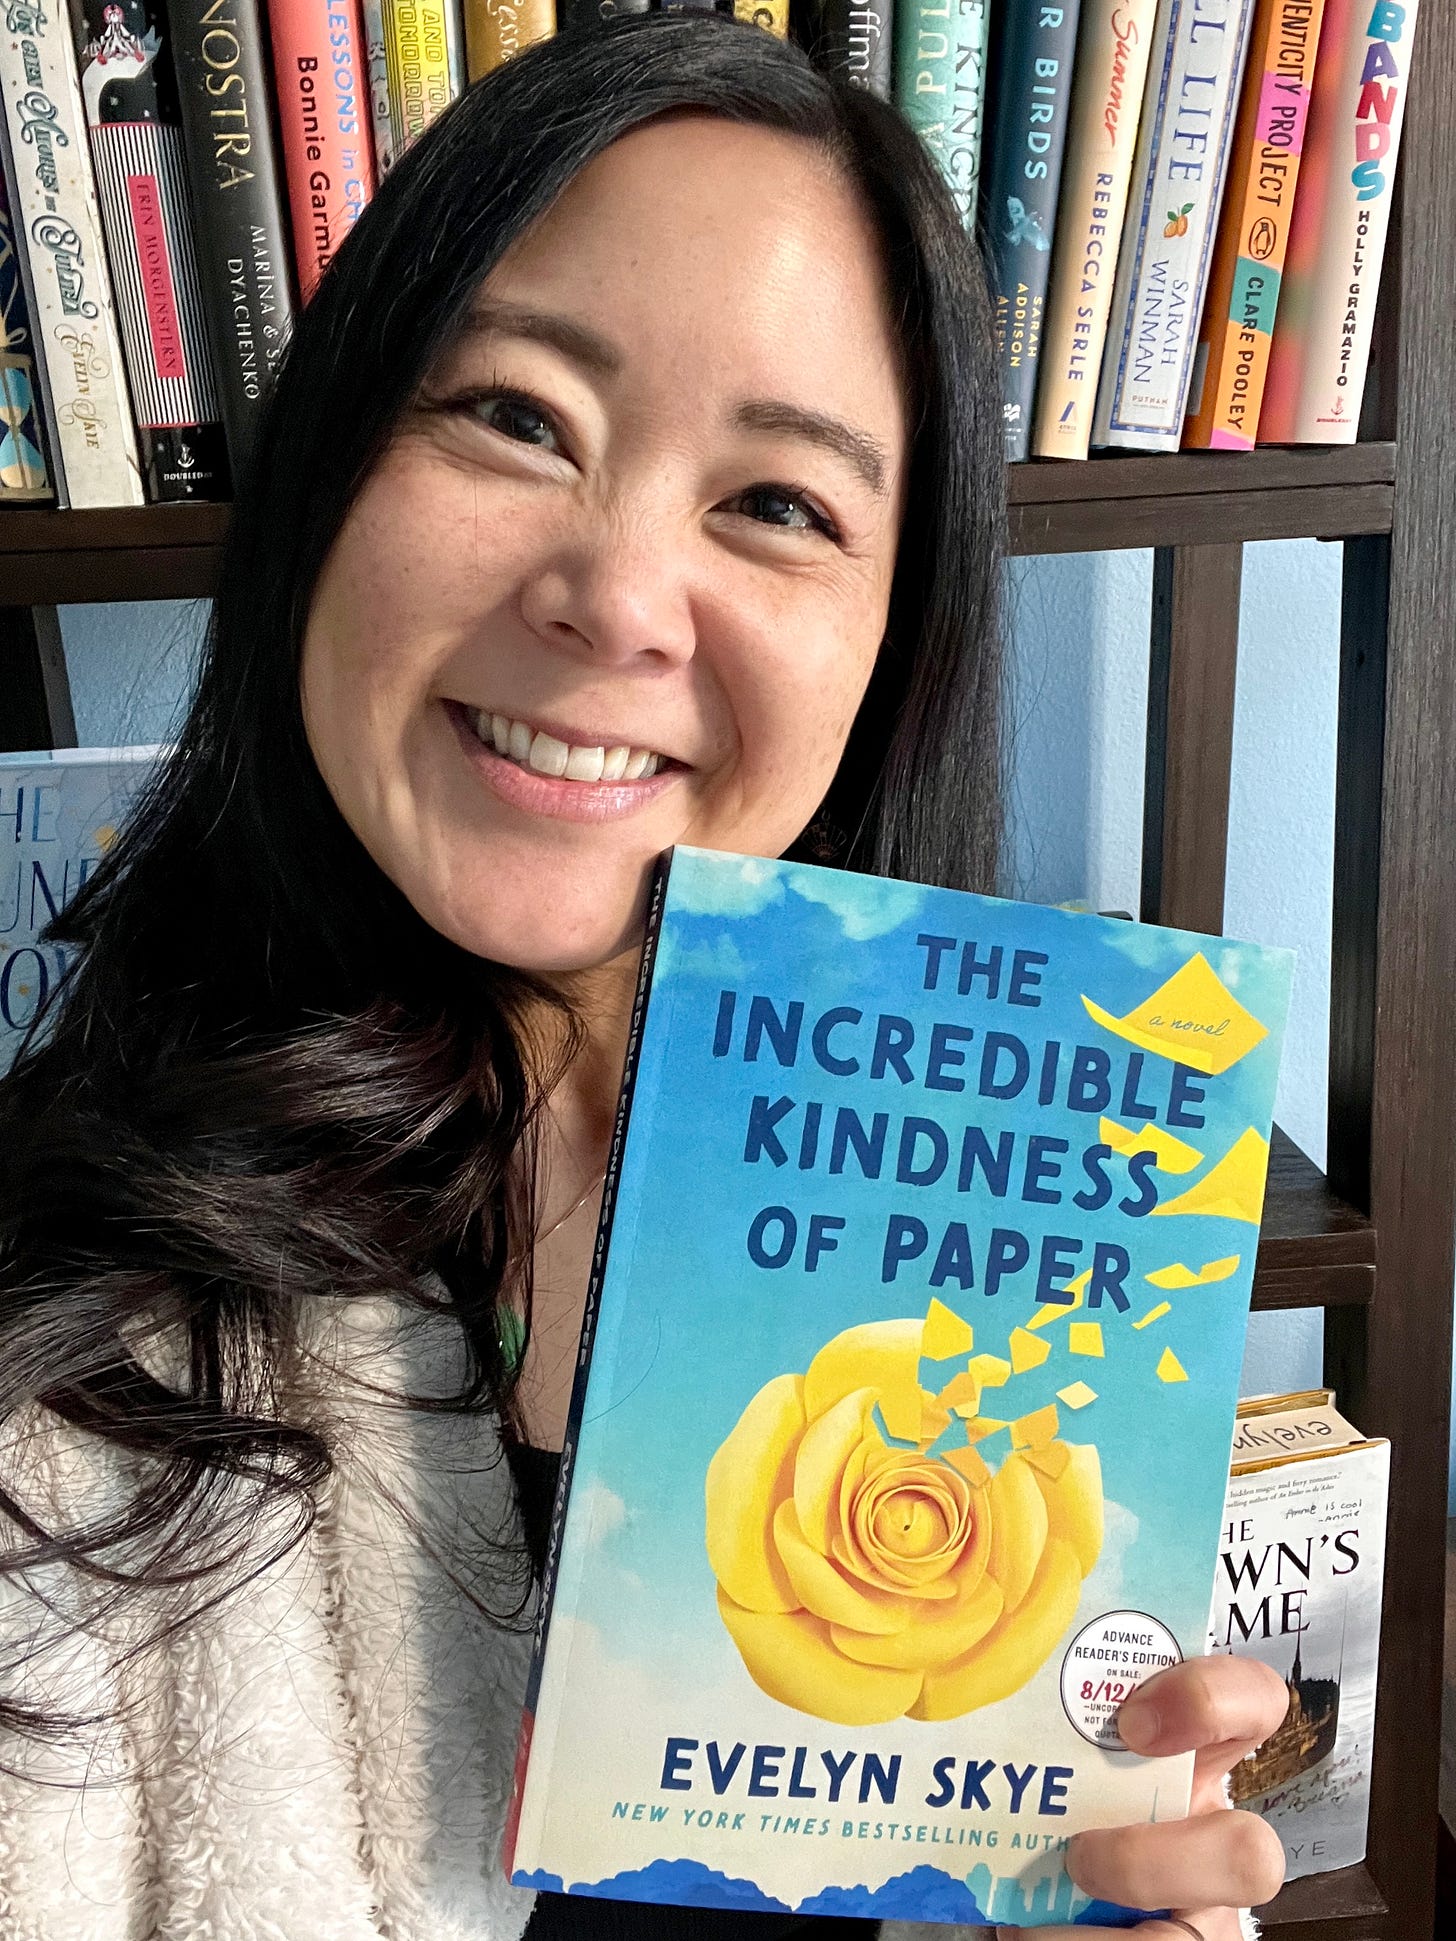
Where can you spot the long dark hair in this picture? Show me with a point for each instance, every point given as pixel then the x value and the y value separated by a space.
pixel 267 1079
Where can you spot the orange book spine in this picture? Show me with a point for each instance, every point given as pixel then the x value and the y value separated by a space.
pixel 321 78
pixel 1232 359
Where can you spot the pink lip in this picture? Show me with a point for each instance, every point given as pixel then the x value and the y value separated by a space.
pixel 550 795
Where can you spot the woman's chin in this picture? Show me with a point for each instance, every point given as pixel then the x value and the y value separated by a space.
pixel 548 937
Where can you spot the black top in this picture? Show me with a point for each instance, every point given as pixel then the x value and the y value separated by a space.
pixel 580 1917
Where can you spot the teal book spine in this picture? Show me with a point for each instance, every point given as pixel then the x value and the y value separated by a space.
pixel 1029 102
pixel 924 78
pixel 899 1437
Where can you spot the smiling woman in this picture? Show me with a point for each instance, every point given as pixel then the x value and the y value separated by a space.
pixel 633 478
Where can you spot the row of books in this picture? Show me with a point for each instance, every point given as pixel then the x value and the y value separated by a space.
pixel 1183 206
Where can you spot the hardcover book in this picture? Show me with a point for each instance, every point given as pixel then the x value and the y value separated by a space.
pixel 1232 358
pixel 923 73
pixel 371 25
pixel 497 29
pixel 1107 95
pixel 1299 1587
pixel 129 89
pixel 1321 346
pixel 59 814
pixel 417 57
pixel 320 67
pixel 89 425
pixel 898 1445
pixel 856 41
pixel 235 178
pixel 24 476
pixel 1199 49
pixel 1031 90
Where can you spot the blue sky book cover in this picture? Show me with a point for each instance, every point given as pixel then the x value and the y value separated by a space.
pixel 900 1435
pixel 59 813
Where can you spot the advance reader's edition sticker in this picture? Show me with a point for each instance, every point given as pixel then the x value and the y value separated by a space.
pixel 1105 1663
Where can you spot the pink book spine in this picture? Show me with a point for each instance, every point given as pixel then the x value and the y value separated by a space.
pixel 1321 345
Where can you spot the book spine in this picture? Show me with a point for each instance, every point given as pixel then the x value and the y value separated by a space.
pixel 1107 96
pixel 1248 259
pixel 328 161
pixel 60 224
pixel 1028 133
pixel 517 1818
pixel 771 15
pixel 129 98
pixel 1321 347
pixel 497 29
pixel 967 135
pixel 1197 63
pixel 240 228
pixel 857 42
pixel 923 75
pixel 24 475
pixel 371 25
pixel 417 62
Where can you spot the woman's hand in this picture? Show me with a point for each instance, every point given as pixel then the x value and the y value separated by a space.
pixel 1217 1860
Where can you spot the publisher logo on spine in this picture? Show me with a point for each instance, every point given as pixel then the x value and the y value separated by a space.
pixel 1105 1663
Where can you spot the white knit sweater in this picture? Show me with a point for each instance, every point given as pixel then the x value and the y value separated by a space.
pixel 326 1756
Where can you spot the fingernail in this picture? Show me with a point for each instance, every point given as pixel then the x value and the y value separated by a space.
pixel 1139 1722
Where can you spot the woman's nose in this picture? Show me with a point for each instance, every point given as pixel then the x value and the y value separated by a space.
pixel 615 588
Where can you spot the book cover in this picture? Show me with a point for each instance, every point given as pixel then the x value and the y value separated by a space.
pixel 321 77
pixel 1197 63
pixel 923 71
pixel 1031 88
pixel 898 1445
pixel 59 813
pixel 1113 42
pixel 24 475
pixel 1299 1587
pixel 92 437
pixel 497 29
pixel 1321 347
pixel 129 90
pixel 1243 286
pixel 235 180
pixel 856 41
pixel 417 47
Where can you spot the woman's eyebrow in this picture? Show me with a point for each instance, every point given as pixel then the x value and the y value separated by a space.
pixel 493 316
pixel 856 447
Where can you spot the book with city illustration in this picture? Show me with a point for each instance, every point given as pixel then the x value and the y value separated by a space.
pixel 59 814
pixel 1298 1587
pixel 897 1450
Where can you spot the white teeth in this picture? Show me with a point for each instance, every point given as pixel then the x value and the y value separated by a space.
pixel 584 765
pixel 548 756
pixel 534 748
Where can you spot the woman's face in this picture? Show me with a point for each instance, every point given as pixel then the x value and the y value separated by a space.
pixel 620 578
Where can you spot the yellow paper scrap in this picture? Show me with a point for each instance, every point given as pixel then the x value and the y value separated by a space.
pixel 934 1421
pixel 1051 1460
pixel 1027 1350
pixel 946 1334
pixel 1076 1395
pixel 1054 1310
pixel 1180 1276
pixel 961 1388
pixel 971 1464
pixel 1154 1314
pixel 1193 1018
pixel 981 1426
pixel 1034 1431
pixel 1231 1190
pixel 1170 1369
pixel 1172 1155
pixel 1085 1338
pixel 991 1371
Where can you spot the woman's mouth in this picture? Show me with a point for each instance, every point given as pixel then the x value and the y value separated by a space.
pixel 531 769
pixel 533 748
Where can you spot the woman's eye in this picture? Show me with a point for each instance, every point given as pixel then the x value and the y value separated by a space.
pixel 512 414
pixel 776 499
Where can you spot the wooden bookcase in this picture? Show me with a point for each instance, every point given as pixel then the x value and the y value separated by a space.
pixel 1372 1242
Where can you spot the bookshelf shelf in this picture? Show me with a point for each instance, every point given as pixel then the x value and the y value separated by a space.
pixel 1315 1250
pixel 1348 1895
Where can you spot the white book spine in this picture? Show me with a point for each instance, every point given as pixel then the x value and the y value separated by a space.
pixel 1197 62
pixel 58 223
pixel 372 17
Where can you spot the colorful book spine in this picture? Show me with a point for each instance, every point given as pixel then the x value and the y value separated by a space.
pixel 495 30
pixel 1321 345
pixel 1107 97
pixel 924 73
pixel 323 117
pixel 1031 94
pixel 856 42
pixel 92 436
pixel 24 474
pixel 417 57
pixel 129 94
pixel 771 15
pixel 371 22
pixel 967 135
pixel 236 184
pixel 1243 286
pixel 1199 49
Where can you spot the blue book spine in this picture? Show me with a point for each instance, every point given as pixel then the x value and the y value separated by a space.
pixel 1027 119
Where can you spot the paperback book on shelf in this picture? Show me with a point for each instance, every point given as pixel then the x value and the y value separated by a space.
pixel 1299 1585
pixel 898 1446
pixel 59 813
pixel 24 475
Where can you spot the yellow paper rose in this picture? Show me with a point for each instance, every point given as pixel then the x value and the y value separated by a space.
pixel 862 1581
